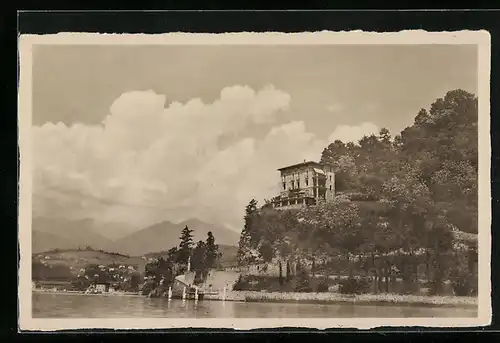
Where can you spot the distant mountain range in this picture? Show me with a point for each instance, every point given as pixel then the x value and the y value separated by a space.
pixel 57 233
pixel 165 235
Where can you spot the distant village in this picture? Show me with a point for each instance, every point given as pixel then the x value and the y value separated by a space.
pixel 77 270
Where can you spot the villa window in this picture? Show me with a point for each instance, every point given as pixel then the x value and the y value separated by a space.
pixel 284 186
pixel 330 187
pixel 298 183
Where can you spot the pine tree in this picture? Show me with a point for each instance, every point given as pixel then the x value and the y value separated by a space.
pixel 185 246
pixel 385 136
pixel 211 251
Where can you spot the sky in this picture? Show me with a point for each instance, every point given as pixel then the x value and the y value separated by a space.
pixel 141 134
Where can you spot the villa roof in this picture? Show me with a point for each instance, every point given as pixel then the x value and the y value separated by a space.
pixel 302 164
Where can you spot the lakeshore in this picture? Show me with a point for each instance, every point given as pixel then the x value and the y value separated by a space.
pixel 78 305
pixel 314 298
pixel 59 292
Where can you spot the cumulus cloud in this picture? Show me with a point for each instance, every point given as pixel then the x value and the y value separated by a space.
pixel 149 161
pixel 347 133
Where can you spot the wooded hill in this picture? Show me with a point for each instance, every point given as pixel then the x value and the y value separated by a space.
pixel 400 202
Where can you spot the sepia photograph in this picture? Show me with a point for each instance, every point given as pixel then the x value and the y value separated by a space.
pixel 254 180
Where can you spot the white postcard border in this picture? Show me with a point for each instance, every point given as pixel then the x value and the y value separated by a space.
pixel 26 44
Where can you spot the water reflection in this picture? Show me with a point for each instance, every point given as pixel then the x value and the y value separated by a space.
pixel 47 305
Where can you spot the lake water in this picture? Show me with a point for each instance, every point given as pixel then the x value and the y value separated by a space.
pixel 46 305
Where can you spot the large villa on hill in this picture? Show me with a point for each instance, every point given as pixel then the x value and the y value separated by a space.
pixel 304 184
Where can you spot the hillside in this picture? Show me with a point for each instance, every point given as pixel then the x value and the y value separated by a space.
pixel 164 235
pixel 58 233
pixel 114 231
pixel 416 192
pixel 77 259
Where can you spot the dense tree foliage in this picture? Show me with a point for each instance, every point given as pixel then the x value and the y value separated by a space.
pixel 400 202
pixel 52 272
pixel 198 261
pixel 201 257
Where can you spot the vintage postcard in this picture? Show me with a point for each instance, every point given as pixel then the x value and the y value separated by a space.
pixel 254 180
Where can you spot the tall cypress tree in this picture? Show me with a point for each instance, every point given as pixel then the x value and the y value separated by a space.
pixel 211 251
pixel 185 246
pixel 247 236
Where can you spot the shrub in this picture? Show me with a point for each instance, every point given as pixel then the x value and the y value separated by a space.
pixel 354 286
pixel 464 285
pixel 303 281
pixel 303 288
pixel 148 287
pixel 436 287
pixel 242 284
pixel 461 287
pixel 411 286
pixel 322 286
pixel 80 284
pixel 360 196
pixel 462 273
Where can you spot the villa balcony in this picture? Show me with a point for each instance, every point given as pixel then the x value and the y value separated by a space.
pixel 293 201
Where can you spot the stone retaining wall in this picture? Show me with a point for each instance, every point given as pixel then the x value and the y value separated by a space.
pixel 327 297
